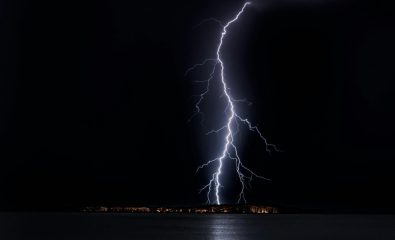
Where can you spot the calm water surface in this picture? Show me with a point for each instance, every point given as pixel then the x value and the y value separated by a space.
pixel 214 227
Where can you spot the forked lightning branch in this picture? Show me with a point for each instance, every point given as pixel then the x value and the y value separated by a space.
pixel 230 128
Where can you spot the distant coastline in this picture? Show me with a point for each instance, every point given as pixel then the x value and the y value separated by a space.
pixel 209 209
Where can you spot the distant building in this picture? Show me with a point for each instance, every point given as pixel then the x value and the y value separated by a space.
pixel 262 209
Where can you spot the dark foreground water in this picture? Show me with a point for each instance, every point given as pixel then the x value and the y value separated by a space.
pixel 216 227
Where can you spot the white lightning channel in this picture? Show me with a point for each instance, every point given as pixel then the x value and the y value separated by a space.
pixel 230 150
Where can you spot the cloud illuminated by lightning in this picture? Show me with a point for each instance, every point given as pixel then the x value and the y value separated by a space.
pixel 231 127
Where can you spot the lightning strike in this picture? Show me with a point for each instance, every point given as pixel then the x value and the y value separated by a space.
pixel 234 120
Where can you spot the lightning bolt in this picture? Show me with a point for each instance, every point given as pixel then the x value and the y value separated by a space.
pixel 231 127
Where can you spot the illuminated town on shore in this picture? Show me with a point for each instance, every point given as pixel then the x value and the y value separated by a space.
pixel 246 209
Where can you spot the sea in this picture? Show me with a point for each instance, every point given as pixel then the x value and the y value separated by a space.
pixel 97 226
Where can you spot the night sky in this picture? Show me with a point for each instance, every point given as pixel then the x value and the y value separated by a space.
pixel 95 105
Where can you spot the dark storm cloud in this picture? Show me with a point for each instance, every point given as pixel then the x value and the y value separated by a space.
pixel 93 98
pixel 262 4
